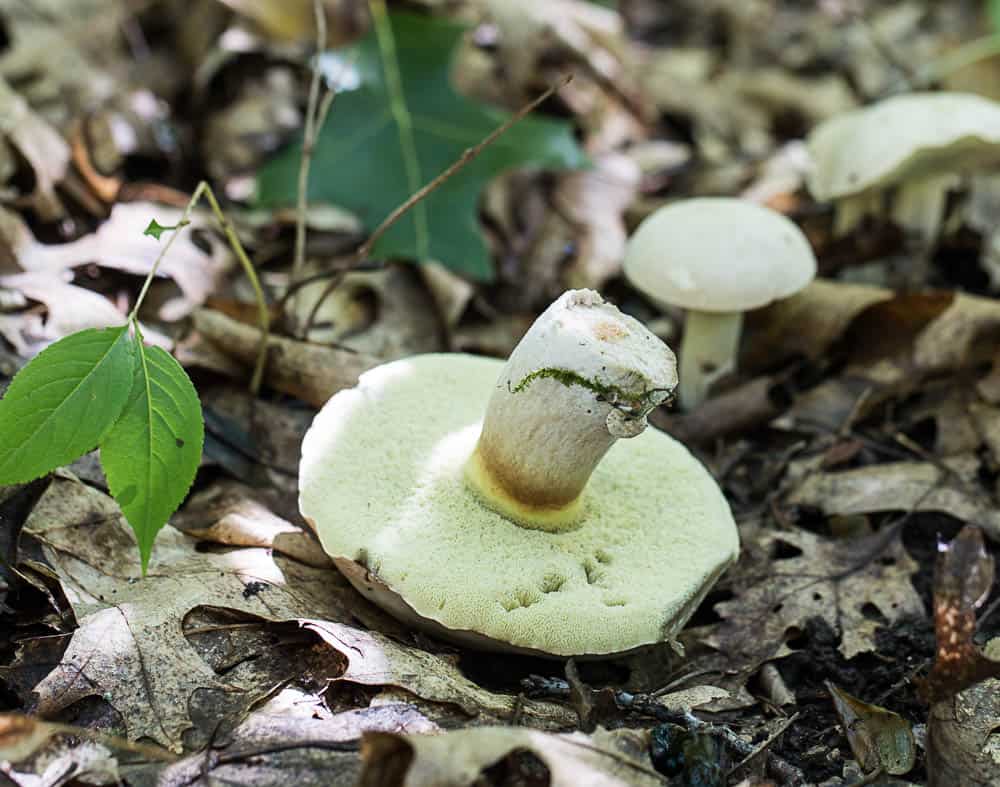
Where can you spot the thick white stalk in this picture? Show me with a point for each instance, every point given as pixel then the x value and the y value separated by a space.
pixel 919 204
pixel 584 375
pixel 708 351
pixel 849 212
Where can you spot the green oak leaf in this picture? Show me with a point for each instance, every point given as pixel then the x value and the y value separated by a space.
pixel 64 401
pixel 381 144
pixel 151 455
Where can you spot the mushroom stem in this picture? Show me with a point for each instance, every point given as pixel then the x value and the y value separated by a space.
pixel 919 207
pixel 848 212
pixel 584 375
pixel 708 351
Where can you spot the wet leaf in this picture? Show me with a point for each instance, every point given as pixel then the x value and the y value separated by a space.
pixel 832 579
pixel 880 739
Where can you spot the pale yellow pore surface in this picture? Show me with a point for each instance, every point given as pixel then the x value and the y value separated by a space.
pixel 382 479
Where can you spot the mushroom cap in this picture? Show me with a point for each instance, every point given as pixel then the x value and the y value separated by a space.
pixel 909 136
pixel 382 482
pixel 718 254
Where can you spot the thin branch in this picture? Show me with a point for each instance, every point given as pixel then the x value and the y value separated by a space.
pixel 308 144
pixel 468 155
pixel 263 316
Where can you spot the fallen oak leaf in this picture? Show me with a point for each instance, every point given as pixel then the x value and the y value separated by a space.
pixel 41 146
pixel 962 582
pixel 121 243
pixel 375 660
pixel 901 486
pixel 131 648
pixel 832 579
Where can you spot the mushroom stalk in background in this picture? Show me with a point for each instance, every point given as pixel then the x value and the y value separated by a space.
pixel 917 144
pixel 708 352
pixel 717 257
pixel 579 379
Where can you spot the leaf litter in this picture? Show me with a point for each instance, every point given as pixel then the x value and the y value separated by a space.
pixel 863 432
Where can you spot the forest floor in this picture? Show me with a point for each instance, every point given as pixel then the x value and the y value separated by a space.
pixel 858 444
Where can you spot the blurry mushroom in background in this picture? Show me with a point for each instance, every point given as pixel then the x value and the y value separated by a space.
pixel 918 144
pixel 531 530
pixel 717 257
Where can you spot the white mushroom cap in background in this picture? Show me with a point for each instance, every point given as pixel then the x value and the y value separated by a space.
pixel 916 135
pixel 716 257
pixel 718 254
pixel 382 480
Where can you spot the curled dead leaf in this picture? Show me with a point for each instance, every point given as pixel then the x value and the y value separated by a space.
pixel 880 739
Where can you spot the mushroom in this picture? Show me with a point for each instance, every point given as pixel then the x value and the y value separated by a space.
pixel 717 257
pixel 918 144
pixel 528 530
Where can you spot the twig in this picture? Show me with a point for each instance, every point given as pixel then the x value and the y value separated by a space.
pixel 468 155
pixel 557 688
pixel 764 745
pixel 308 144
pixel 263 316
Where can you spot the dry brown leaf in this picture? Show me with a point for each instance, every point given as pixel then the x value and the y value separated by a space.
pixel 808 323
pixel 831 579
pixel 594 201
pixel 389 313
pixel 375 660
pixel 131 649
pixel 902 486
pixel 295 20
pixel 120 243
pixel 458 758
pixel 21 736
pixel 880 739
pixel 70 309
pixel 232 513
pixel 41 146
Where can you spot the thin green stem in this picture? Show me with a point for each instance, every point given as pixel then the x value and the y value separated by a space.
pixel 184 221
pixel 308 143
pixel 263 316
pixel 401 114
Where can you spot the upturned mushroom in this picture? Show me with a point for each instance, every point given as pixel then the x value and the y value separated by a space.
pixel 716 257
pixel 531 529
pixel 916 145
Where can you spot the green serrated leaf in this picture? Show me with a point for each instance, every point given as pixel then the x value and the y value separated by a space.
pixel 993 9
pixel 151 455
pixel 63 402
pixel 380 145
pixel 155 229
